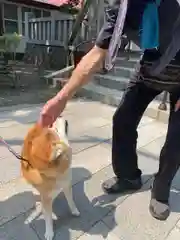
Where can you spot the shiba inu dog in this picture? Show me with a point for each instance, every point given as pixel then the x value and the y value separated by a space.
pixel 48 167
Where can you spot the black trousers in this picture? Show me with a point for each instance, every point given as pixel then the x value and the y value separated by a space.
pixel 125 123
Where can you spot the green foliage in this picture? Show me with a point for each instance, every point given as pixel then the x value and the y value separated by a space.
pixel 69 9
pixel 78 23
pixel 9 42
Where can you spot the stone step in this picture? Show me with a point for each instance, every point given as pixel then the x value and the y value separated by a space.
pixel 125 62
pixel 132 54
pixel 111 82
pixel 59 82
pixel 100 93
pixel 121 71
pixel 113 97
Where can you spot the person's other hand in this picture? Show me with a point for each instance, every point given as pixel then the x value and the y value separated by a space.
pixel 52 110
pixel 177 106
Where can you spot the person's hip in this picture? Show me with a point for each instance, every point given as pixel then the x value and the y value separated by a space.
pixel 167 80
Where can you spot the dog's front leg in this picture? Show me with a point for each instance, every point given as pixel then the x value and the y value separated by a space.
pixel 47 211
pixel 69 196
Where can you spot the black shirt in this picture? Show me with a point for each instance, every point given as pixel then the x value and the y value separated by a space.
pixel 169 12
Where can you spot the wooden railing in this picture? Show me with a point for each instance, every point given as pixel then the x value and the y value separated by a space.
pixel 53 31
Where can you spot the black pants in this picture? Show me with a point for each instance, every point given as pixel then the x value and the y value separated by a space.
pixel 125 123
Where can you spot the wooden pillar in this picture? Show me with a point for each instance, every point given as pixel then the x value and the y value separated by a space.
pixel 100 15
pixel 1 21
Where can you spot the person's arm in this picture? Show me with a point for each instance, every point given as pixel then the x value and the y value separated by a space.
pixel 84 70
pixel 93 60
pixel 89 64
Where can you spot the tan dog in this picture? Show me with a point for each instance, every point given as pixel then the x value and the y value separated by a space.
pixel 48 168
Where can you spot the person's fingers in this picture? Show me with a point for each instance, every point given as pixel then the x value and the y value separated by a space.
pixel 45 120
pixel 51 110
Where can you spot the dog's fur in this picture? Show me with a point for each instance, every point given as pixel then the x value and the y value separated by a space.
pixel 49 156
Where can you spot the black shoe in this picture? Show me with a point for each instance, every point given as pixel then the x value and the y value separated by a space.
pixel 117 185
pixel 159 209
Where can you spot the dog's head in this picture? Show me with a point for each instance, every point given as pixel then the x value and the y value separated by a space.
pixel 44 147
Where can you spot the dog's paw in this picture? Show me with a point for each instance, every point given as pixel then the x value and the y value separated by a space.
pixel 75 212
pixel 49 235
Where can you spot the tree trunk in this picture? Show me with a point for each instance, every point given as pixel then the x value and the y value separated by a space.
pixel 1 21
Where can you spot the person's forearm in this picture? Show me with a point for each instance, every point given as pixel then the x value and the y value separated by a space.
pixel 89 64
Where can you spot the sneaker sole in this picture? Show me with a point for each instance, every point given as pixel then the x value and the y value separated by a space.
pixel 121 192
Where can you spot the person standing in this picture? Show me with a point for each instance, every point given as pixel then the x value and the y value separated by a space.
pixel 158 70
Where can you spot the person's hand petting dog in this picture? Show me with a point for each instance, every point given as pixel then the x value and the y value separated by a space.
pixel 52 110
pixel 80 76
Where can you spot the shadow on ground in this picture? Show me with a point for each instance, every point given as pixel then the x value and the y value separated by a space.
pixel 22 116
pixel 92 208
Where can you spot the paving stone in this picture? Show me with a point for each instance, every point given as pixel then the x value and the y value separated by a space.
pixel 102 134
pixel 90 199
pixel 146 161
pixel 21 116
pixel 136 223
pixel 78 126
pixel 15 198
pixel 176 181
pixel 87 163
pixel 91 108
pixel 6 154
pixel 163 116
pixel 147 164
pixel 15 134
pixel 147 132
pixel 4 236
pixel 66 227
pixel 108 144
pixel 150 132
pixel 10 169
pixel 12 108
pixel 99 232
pixel 154 147
pixel 92 203
pixel 178 223
pixel 91 138
pixel 145 121
pixel 12 196
pixel 5 123
pixel 174 234
pixel 17 229
pixel 90 125
pixel 152 111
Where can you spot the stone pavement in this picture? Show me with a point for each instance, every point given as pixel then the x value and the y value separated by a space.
pixel 124 217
